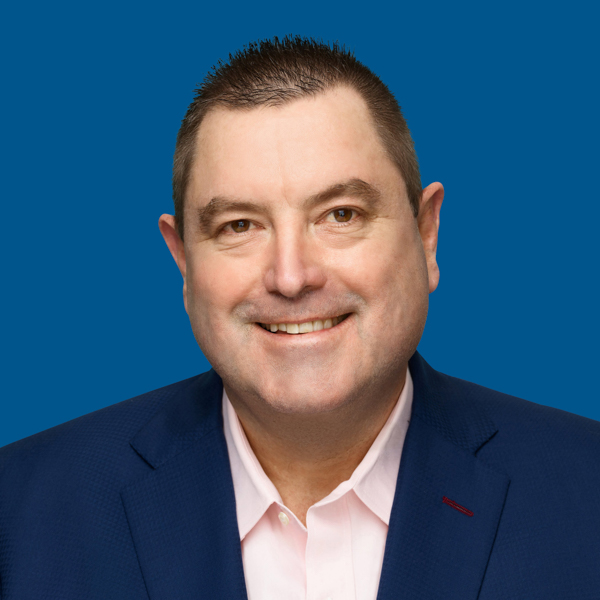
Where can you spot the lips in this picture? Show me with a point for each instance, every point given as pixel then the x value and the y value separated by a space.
pixel 305 327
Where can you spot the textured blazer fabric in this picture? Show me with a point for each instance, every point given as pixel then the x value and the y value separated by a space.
pixel 497 498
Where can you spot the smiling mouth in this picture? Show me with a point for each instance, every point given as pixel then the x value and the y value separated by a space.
pixel 306 327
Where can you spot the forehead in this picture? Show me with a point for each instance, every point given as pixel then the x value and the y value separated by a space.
pixel 289 151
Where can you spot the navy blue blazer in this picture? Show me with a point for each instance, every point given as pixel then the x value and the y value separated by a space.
pixel 497 498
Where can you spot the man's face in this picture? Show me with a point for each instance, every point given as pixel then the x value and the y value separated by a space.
pixel 296 214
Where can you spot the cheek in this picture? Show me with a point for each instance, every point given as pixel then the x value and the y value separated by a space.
pixel 215 286
pixel 384 267
pixel 392 278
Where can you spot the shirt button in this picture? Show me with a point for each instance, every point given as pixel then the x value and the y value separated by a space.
pixel 284 518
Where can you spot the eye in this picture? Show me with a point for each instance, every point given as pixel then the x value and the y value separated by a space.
pixel 239 226
pixel 342 215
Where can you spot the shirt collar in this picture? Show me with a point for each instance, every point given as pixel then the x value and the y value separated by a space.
pixel 373 481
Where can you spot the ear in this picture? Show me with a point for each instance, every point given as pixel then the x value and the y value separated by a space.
pixel 168 228
pixel 428 221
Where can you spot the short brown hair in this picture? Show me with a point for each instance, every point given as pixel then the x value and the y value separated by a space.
pixel 273 72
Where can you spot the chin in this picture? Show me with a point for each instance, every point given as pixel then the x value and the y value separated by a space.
pixel 304 394
pixel 305 404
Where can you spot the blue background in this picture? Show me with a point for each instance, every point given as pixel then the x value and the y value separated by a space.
pixel 502 100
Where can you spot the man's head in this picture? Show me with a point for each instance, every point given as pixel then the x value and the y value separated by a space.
pixel 273 73
pixel 297 211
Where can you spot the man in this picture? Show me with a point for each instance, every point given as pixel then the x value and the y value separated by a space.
pixel 322 457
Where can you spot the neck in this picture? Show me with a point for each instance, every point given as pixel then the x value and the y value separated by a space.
pixel 308 456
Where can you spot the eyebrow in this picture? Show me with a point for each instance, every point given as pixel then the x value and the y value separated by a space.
pixel 354 188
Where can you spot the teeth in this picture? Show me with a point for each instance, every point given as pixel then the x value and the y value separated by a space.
pixel 308 327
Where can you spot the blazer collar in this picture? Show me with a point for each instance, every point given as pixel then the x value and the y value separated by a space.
pixel 456 414
pixel 184 419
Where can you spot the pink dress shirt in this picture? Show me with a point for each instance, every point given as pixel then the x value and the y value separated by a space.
pixel 339 554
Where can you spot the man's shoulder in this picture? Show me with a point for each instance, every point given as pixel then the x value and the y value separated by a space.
pixel 61 491
pixel 521 414
pixel 531 435
pixel 98 440
pixel 509 410
pixel 452 403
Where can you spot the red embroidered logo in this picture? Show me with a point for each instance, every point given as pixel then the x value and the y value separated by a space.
pixel 458 507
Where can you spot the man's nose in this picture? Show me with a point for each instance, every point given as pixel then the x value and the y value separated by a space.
pixel 294 265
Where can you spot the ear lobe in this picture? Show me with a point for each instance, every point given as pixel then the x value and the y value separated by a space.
pixel 428 221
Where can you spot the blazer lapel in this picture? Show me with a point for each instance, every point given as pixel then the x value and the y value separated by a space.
pixel 182 515
pixel 448 503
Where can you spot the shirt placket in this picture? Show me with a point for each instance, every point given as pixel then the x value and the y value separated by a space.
pixel 329 573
